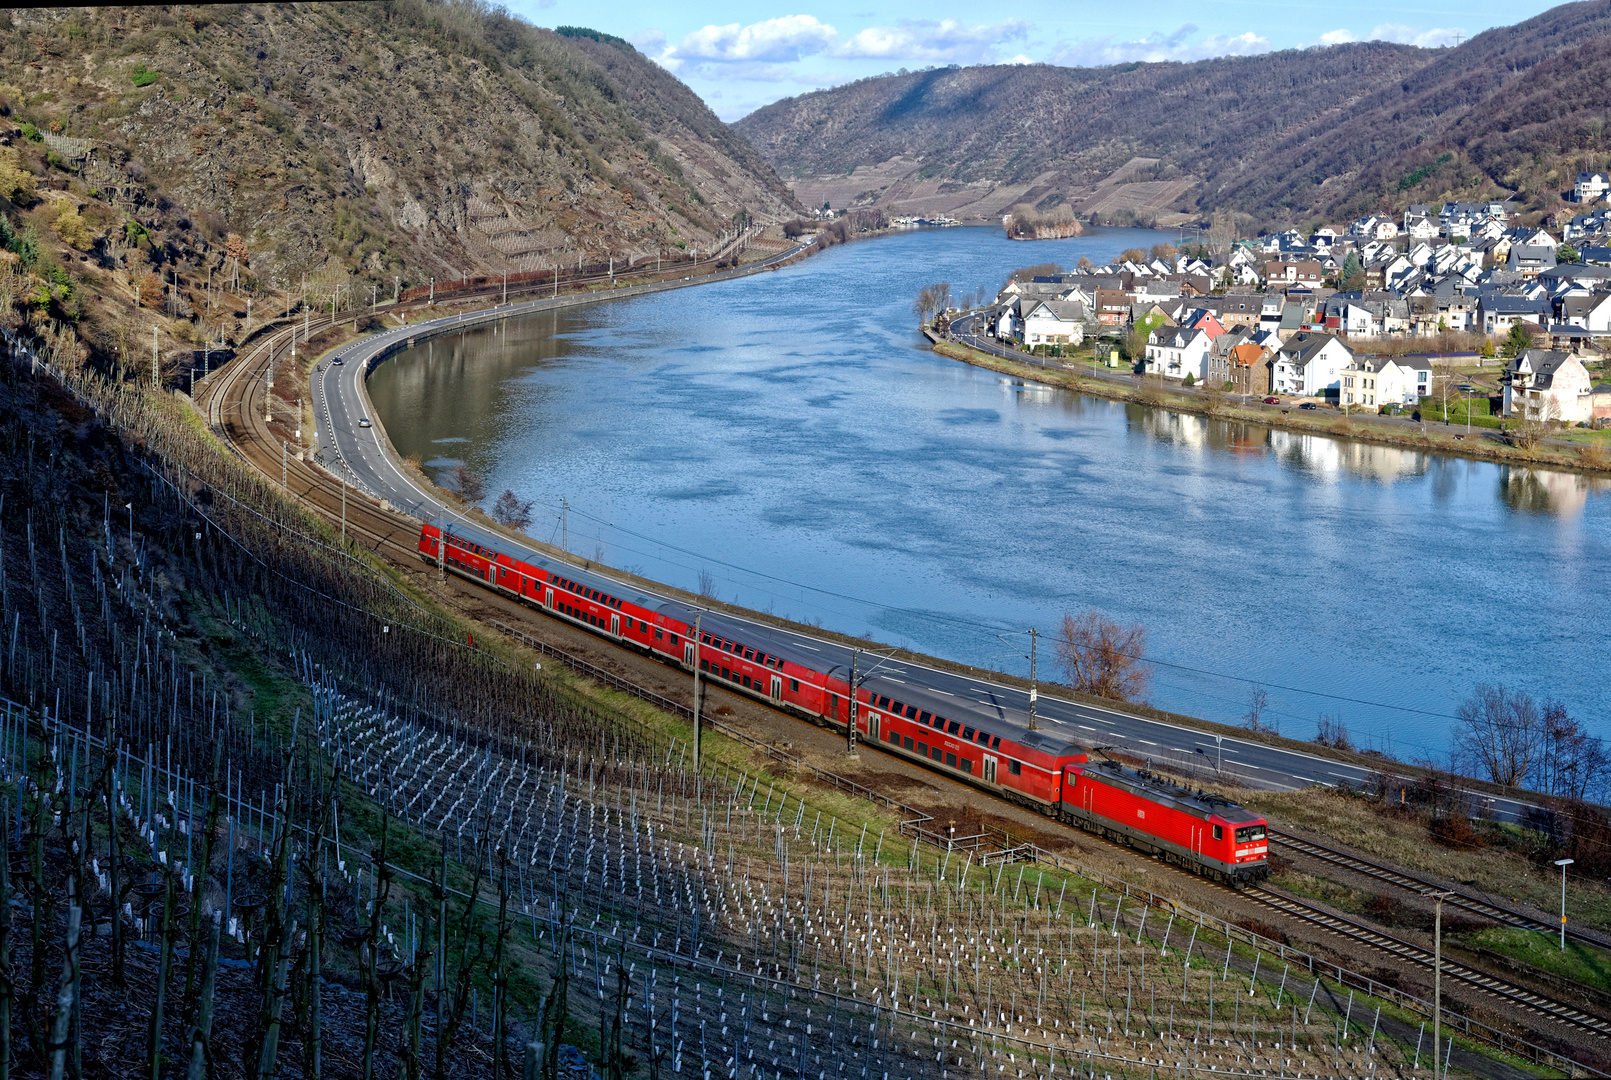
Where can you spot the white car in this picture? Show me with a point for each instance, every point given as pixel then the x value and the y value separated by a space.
pixel 363 421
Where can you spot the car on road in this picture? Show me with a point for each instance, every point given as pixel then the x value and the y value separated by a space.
pixel 1308 405
pixel 363 421
pixel 336 361
pixel 1272 401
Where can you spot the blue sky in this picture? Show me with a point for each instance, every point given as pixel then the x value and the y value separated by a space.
pixel 740 56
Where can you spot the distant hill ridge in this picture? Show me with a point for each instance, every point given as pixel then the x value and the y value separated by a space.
pixel 1289 138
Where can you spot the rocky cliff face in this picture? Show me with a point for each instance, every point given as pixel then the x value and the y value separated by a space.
pixel 352 143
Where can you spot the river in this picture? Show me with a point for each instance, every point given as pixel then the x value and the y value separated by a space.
pixel 786 442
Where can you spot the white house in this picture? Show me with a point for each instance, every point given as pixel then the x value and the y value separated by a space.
pixel 1544 384
pixel 1175 352
pixel 1055 322
pixel 1590 186
pixel 1403 379
pixel 1309 364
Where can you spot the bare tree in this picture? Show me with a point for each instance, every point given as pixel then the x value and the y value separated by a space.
pixel 1103 658
pixel 1333 733
pixel 932 300
pixel 1571 762
pixel 707 585
pixel 511 510
pixel 1499 732
pixel 1258 700
pixel 468 483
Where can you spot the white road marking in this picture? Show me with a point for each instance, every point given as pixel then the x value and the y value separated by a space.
pixel 947 693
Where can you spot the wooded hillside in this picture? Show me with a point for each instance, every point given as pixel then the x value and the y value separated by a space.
pixel 1293 137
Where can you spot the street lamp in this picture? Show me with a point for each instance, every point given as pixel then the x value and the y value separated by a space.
pixel 1563 864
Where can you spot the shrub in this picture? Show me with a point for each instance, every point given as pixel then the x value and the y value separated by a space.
pixel 142 75
pixel 16 182
pixel 72 228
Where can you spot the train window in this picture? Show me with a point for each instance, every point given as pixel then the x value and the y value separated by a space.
pixel 1014 767
pixel 673 641
pixel 995 743
pixel 704 665
pixel 794 686
pixel 934 752
pixel 1219 832
pixel 749 654
pixel 1249 834
pixel 906 742
pixel 883 702
pixel 746 680
pixel 967 766
pixel 890 736
pixel 984 738
pixel 951 760
pixel 911 712
pixel 923 749
pixel 726 674
pixel 923 717
pixel 657 633
pixel 951 728
pixel 967 733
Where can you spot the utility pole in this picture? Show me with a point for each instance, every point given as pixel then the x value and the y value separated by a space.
pixel 343 509
pixel 1437 976
pixel 433 290
pixel 156 374
pixel 698 638
pixel 285 457
pixel 373 295
pixel 397 288
pixel 850 721
pixel 506 288
pixel 1034 637
pixel 564 523
pixel 556 281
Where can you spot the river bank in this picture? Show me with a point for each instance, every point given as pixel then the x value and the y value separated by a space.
pixel 1480 445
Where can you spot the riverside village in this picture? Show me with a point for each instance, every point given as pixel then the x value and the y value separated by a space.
pixel 1495 321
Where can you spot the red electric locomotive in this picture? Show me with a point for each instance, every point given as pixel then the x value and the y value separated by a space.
pixel 981 744
pixel 1138 808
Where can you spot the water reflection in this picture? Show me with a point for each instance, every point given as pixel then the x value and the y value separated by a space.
pixel 1526 489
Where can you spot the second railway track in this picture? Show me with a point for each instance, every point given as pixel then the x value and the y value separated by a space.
pixel 1455 898
pixel 1514 995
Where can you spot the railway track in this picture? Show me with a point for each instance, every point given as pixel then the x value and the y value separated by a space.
pixel 237 397
pixel 1494 986
pixel 1464 901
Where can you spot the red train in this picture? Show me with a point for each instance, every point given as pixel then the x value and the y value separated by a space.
pixel 983 742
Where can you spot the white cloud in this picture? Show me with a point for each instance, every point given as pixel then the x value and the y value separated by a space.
pixel 946 41
pixel 776 41
pixel 1399 34
pixel 649 41
pixel 1156 48
pixel 1434 38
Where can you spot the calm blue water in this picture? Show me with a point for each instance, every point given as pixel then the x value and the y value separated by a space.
pixel 787 439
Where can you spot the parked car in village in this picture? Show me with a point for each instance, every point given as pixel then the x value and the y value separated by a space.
pixel 1308 405
pixel 1272 401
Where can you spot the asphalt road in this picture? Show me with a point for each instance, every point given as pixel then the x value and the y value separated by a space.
pixel 363 456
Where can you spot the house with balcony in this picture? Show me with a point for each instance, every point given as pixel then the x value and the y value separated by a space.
pixel 1548 385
